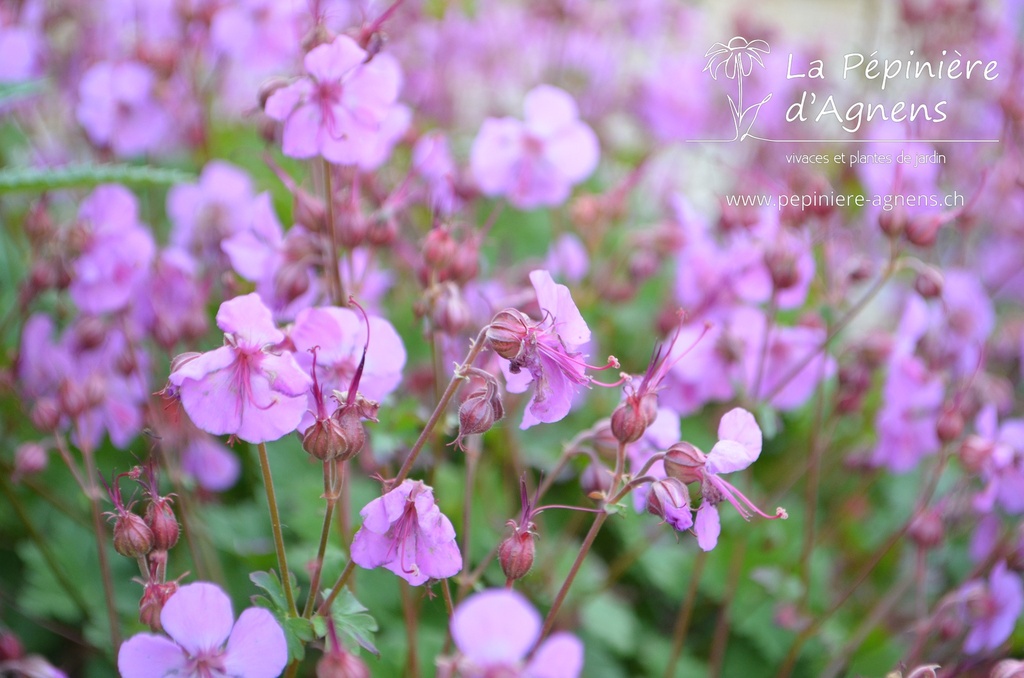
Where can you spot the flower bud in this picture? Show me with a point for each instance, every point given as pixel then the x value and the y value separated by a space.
pixel 45 415
pixel 926 530
pixel 73 398
pixel 438 248
pixel 929 283
pixel 506 333
pixel 974 452
pixel 1008 668
pixel 670 500
pixel 476 415
pixel 323 440
pixel 685 463
pixel 341 664
pixel 382 232
pixel 450 314
pixel 628 422
pixel 154 596
pixel 350 426
pixel 268 87
pixel 90 332
pixel 516 554
pixel 10 646
pixel 291 281
pixel 893 222
pixel 132 537
pixel 29 459
pixel 782 265
pixel 923 230
pixel 950 424
pixel 162 523
pixel 465 263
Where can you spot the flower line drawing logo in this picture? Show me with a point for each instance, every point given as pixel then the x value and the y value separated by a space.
pixel 737 59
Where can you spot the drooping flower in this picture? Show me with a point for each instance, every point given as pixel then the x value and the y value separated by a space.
pixel 543 353
pixel 738 447
pixel 991 608
pixel 338 110
pixel 406 532
pixel 494 631
pixel 205 640
pixel 536 162
pixel 243 388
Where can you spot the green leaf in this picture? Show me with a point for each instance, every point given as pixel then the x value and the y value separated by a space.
pixel 352 622
pixel 297 632
pixel 13 179
pixel 271 583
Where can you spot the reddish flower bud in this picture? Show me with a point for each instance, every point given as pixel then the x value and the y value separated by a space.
pixel 670 500
pixel 929 283
pixel 132 537
pixel 926 530
pixel 923 230
pixel 268 87
pixel 506 333
pixel 162 523
pixel 382 232
pixel 438 249
pixel 323 440
pixel 974 452
pixel 893 222
pixel 90 332
pixel 73 398
pixel 154 597
pixel 45 415
pixel 685 463
pixel 291 281
pixel 10 646
pixel 465 263
pixel 516 554
pixel 476 415
pixel 29 459
pixel 628 423
pixel 782 265
pixel 450 313
pixel 350 426
pixel 950 425
pixel 341 664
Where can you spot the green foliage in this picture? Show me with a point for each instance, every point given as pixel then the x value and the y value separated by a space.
pixel 32 179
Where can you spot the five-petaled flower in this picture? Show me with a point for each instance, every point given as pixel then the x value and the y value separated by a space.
pixel 243 388
pixel 543 353
pixel 205 640
pixel 338 110
pixel 406 532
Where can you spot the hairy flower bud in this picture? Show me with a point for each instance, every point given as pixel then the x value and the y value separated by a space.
pixel 45 415
pixel 628 423
pixel 323 440
pixel 516 554
pixel 476 415
pixel 507 332
pixel 685 463
pixel 162 523
pixel 352 432
pixel 929 283
pixel 132 537
pixel 154 596
pixel 450 313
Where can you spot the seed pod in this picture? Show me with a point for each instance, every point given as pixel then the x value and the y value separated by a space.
pixel 154 596
pixel 162 523
pixel 628 423
pixel 516 554
pixel 132 537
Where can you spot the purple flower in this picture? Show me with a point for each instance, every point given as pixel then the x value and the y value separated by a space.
pixel 117 109
pixel 991 608
pixel 242 388
pixel 738 447
pixel 205 214
pixel 535 163
pixel 117 252
pixel 495 629
pixel 406 532
pixel 340 335
pixel 911 398
pixel 205 640
pixel 543 353
pixel 214 467
pixel 339 109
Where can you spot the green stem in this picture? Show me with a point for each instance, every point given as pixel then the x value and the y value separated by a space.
pixel 685 613
pixel 435 416
pixel 412 667
pixel 721 637
pixel 325 606
pixel 275 526
pixel 331 496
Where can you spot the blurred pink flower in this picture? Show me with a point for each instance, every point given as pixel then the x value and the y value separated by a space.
pixel 117 252
pixel 338 110
pixel 118 109
pixel 205 640
pixel 214 467
pixel 494 631
pixel 738 447
pixel 545 352
pixel 991 608
pixel 242 388
pixel 340 335
pixel 406 532
pixel 535 163
pixel 206 213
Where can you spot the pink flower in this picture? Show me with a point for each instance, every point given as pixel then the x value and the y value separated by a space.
pixel 339 109
pixel 243 388
pixel 340 335
pixel 535 163
pixel 205 214
pixel 543 353
pixel 117 252
pixel 117 108
pixel 738 447
pixel 205 640
pixel 214 467
pixel 991 608
pixel 495 629
pixel 406 532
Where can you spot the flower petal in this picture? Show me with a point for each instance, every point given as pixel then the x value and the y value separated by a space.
pixel 556 301
pixel 198 617
pixel 548 110
pixel 249 320
pixel 708 526
pixel 560 656
pixel 496 626
pixel 331 61
pixel 257 647
pixel 146 655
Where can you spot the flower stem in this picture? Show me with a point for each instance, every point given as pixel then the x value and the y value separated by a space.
pixel 721 637
pixel 435 416
pixel 325 606
pixel 412 666
pixel 685 613
pixel 331 497
pixel 472 457
pixel 333 275
pixel 275 525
